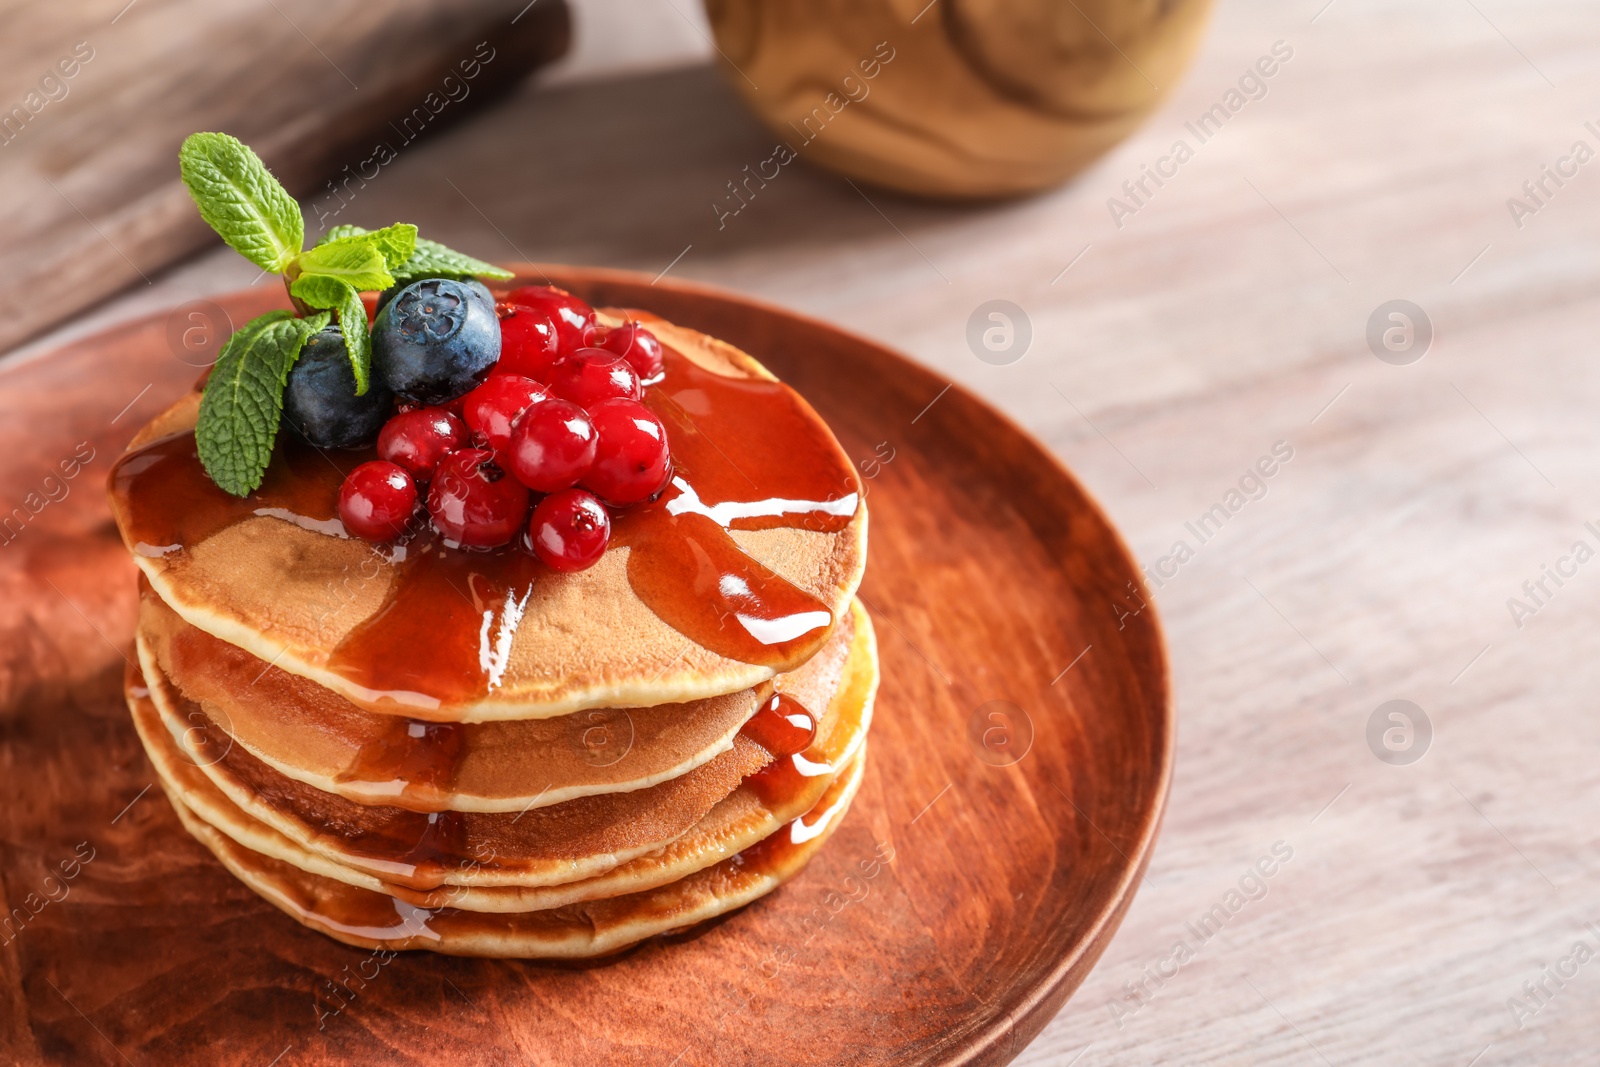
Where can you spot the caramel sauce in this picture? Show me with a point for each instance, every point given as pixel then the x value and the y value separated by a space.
pixel 782 726
pixel 412 764
pixel 776 849
pixel 787 730
pixel 424 847
pixel 747 455
pixel 382 919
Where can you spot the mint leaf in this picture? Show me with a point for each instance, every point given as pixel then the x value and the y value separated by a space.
pixel 430 259
pixel 343 230
pixel 243 401
pixel 326 291
pixel 434 260
pixel 240 199
pixel 396 243
pixel 355 260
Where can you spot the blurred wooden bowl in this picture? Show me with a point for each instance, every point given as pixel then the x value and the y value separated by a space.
pixel 954 98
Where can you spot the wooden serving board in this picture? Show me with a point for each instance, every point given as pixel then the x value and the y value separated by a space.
pixel 987 861
pixel 97 95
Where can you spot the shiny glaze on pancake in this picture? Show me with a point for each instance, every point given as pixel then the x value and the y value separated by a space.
pixel 435 635
pixel 733 824
pixel 368 919
pixel 562 843
pixel 315 736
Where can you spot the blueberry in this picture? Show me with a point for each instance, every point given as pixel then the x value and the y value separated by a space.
pixel 320 403
pixel 471 283
pixel 436 340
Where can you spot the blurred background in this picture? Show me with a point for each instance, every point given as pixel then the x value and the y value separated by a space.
pixel 1356 236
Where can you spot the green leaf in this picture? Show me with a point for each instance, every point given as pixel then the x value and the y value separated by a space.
pixel 240 199
pixel 430 259
pixel 355 260
pixel 243 401
pixel 339 233
pixel 434 260
pixel 396 242
pixel 325 291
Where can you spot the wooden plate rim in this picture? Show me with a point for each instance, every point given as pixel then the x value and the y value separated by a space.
pixel 1018 1015
pixel 1038 1003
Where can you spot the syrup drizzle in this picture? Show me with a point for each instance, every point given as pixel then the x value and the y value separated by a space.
pixel 412 764
pixel 786 729
pixel 748 455
pixel 782 726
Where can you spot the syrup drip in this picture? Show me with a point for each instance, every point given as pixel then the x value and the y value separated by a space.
pixel 420 848
pixel 782 726
pixel 778 848
pixel 424 847
pixel 411 765
pixel 748 455
pixel 787 730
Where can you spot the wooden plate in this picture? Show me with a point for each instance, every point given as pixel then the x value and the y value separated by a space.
pixel 1019 765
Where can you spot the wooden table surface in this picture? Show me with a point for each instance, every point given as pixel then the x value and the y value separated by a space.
pixel 1412 907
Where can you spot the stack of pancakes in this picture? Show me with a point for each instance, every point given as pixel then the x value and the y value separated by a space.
pixel 611 779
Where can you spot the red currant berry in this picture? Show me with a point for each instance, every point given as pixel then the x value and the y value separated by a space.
pixel 632 462
pixel 569 530
pixel 527 342
pixel 635 344
pixel 493 408
pixel 570 316
pixel 552 446
pixel 377 500
pixel 417 440
pixel 474 503
pixel 592 375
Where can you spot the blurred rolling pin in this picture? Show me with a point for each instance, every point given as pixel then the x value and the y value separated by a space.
pixel 955 98
pixel 96 97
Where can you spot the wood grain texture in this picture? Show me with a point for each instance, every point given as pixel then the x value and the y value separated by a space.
pixel 990 570
pixel 96 97
pixel 966 98
pixel 1166 360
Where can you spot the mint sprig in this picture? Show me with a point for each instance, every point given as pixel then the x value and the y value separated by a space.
pixel 335 294
pixel 240 199
pixel 434 260
pixel 355 261
pixel 243 401
pixel 430 259
pixel 256 216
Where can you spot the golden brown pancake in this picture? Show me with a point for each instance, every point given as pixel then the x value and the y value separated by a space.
pixel 748 815
pixel 553 845
pixel 370 919
pixel 291 589
pixel 315 736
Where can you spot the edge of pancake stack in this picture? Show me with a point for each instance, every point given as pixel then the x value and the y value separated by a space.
pixel 415 746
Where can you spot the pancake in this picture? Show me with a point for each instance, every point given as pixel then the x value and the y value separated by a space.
pixel 553 845
pixel 733 576
pixel 749 814
pixel 315 736
pixel 368 919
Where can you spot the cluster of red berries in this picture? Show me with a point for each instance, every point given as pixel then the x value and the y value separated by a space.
pixel 560 416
